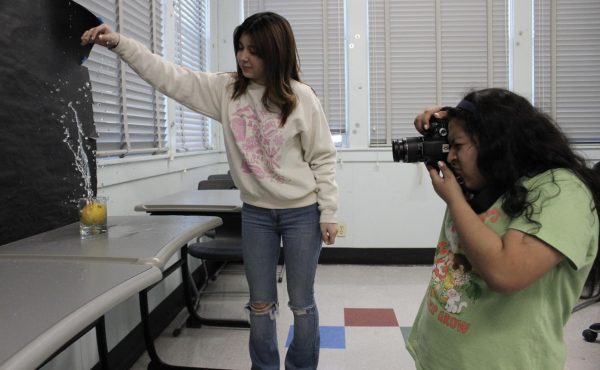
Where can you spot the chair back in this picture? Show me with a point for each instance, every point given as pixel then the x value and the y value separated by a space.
pixel 215 184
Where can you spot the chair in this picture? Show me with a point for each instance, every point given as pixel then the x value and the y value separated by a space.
pixel 223 250
pixel 224 247
pixel 218 181
pixel 220 176
pixel 224 181
pixel 225 184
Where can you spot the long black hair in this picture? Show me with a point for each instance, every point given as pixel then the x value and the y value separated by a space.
pixel 515 140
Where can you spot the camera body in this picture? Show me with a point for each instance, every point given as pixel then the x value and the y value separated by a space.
pixel 430 148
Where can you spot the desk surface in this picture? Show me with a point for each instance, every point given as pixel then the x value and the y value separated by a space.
pixel 71 294
pixel 195 201
pixel 131 239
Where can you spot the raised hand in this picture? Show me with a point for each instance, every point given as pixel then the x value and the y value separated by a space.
pixel 101 35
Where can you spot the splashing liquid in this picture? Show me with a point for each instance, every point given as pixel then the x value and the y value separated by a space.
pixel 77 148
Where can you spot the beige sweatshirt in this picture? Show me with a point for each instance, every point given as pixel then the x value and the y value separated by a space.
pixel 274 167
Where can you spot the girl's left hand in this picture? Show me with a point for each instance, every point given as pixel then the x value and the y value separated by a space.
pixel 328 233
pixel 445 184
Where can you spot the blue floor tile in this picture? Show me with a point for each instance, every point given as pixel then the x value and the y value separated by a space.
pixel 405 332
pixel 331 336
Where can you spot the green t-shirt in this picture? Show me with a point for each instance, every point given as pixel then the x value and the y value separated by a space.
pixel 463 325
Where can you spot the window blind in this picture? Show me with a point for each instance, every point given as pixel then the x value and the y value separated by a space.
pixel 191 45
pixel 319 29
pixel 567 65
pixel 129 114
pixel 431 52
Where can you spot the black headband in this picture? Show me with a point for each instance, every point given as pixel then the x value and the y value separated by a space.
pixel 467 105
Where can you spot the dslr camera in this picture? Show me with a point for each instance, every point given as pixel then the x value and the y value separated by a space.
pixel 430 148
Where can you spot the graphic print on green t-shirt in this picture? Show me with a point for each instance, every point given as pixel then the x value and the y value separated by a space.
pixel 453 284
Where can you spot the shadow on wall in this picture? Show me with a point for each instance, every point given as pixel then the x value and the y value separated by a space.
pixel 46 118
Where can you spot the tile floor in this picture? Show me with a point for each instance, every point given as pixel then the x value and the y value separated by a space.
pixel 365 314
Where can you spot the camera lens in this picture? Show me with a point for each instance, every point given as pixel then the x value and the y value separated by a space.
pixel 408 150
pixel 429 148
pixel 398 150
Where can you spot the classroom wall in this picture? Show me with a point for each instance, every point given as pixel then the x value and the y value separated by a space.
pixel 383 204
pixel 132 182
pixel 392 201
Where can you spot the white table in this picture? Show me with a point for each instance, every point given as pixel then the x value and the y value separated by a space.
pixel 46 303
pixel 195 202
pixel 130 239
pixel 225 204
pixel 132 243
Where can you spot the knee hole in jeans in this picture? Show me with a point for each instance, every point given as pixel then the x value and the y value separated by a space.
pixel 301 311
pixel 262 308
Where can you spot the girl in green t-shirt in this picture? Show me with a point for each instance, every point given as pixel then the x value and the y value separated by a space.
pixel 519 238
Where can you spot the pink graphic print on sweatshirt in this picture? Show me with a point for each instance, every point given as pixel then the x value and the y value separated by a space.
pixel 259 139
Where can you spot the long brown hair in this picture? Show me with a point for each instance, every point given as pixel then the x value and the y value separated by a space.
pixel 274 40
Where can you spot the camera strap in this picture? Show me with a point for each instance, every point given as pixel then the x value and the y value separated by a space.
pixel 483 200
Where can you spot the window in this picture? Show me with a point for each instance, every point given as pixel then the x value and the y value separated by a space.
pixel 129 114
pixel 431 52
pixel 420 53
pixel 567 65
pixel 191 18
pixel 319 28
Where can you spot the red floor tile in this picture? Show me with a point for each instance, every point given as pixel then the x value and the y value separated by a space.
pixel 370 317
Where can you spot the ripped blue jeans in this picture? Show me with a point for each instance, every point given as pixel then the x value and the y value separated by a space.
pixel 264 231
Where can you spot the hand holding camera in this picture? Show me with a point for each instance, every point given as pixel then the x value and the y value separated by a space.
pixel 421 121
pixel 445 183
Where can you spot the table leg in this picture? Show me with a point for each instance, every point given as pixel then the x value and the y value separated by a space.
pixel 101 343
pixel 156 363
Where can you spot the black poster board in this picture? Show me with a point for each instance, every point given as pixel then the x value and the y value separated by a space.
pixel 45 115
